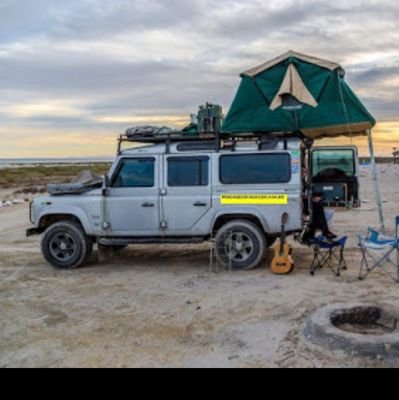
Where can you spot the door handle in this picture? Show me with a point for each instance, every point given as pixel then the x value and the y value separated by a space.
pixel 147 205
pixel 199 204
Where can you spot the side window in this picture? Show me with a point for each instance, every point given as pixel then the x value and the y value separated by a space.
pixel 255 168
pixel 188 171
pixel 135 172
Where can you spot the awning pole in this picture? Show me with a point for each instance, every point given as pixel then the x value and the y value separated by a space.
pixel 375 181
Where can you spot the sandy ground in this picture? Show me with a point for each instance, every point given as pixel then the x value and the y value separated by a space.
pixel 160 306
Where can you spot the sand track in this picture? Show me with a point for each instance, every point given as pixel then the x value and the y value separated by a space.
pixel 160 306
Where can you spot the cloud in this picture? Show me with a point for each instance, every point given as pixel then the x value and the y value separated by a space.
pixel 87 66
pixel 93 19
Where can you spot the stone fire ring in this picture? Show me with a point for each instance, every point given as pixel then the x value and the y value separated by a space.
pixel 322 329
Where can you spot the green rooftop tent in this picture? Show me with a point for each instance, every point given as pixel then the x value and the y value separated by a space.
pixel 329 107
pixel 320 103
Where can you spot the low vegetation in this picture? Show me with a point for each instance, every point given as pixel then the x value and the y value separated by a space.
pixel 42 175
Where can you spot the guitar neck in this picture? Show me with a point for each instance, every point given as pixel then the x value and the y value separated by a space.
pixel 282 238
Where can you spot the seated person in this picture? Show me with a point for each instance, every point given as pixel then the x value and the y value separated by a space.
pixel 318 221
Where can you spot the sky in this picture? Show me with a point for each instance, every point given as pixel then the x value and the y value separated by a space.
pixel 75 74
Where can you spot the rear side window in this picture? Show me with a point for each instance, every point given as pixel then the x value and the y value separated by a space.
pixel 188 171
pixel 135 172
pixel 255 168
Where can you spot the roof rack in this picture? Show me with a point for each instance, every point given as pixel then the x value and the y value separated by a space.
pixel 167 138
pixel 222 139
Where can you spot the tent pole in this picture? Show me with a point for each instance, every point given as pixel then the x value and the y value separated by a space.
pixel 375 180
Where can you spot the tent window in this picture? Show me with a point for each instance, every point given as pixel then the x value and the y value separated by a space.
pixel 328 162
pixel 255 168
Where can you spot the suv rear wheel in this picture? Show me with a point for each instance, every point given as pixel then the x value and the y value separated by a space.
pixel 65 245
pixel 240 244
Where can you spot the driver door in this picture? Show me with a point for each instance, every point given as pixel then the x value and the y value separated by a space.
pixel 132 203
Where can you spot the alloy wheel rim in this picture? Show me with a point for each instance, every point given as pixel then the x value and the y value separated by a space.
pixel 238 246
pixel 63 247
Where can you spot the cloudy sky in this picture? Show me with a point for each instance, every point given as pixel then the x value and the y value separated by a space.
pixel 74 74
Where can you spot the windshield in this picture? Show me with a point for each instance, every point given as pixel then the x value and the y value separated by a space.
pixel 327 161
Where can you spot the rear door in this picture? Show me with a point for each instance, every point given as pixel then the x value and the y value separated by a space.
pixel 266 184
pixel 186 193
pixel 335 175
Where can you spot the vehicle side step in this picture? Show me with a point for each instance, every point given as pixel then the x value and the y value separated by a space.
pixel 135 240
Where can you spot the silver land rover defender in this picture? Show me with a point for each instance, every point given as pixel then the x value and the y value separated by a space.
pixel 190 190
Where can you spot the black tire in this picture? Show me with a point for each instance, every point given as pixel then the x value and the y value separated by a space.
pixel 241 244
pixel 65 245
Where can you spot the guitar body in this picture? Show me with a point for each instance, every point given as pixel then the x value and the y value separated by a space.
pixel 282 262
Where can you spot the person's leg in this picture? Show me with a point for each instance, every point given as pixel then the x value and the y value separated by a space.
pixel 319 220
pixel 318 217
pixel 309 232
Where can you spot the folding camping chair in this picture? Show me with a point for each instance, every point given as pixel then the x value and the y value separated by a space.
pixel 380 251
pixel 328 253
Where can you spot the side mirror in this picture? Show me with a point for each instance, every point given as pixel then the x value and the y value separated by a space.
pixel 106 185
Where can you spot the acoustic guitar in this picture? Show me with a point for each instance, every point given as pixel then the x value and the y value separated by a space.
pixel 282 262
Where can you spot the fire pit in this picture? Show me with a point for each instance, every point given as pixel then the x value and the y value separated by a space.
pixel 363 329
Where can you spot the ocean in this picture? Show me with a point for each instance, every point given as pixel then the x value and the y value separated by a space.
pixel 44 161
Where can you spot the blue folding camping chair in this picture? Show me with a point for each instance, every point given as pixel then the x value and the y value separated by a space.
pixel 380 251
pixel 328 253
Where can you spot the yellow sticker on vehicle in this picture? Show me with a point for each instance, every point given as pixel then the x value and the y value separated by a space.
pixel 249 199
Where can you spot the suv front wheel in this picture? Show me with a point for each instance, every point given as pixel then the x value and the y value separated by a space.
pixel 65 245
pixel 240 244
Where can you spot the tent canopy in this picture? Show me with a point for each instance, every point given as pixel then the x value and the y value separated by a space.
pixel 328 105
